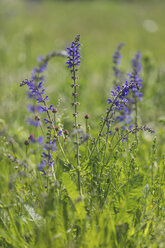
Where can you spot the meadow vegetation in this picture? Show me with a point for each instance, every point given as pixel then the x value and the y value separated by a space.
pixel 93 178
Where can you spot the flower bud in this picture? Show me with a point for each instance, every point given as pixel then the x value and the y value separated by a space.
pixel 117 128
pixel 87 116
pixel 37 118
pixel 11 140
pixel 66 132
pixel 26 142
pixel 57 128
pixel 31 138
pixel 54 110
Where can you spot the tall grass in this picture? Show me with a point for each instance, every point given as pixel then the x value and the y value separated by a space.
pixel 113 196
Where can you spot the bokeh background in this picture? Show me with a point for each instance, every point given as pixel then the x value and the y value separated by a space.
pixel 32 28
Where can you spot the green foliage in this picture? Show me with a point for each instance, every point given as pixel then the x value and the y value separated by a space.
pixel 122 198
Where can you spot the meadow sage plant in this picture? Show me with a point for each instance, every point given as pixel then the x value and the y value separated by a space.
pixel 73 64
pixel 36 92
pixel 117 120
pixel 124 116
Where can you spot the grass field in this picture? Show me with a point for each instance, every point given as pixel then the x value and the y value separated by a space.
pixel 121 202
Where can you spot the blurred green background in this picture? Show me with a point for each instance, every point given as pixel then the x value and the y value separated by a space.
pixel 32 28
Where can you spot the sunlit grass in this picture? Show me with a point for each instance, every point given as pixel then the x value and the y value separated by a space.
pixel 124 207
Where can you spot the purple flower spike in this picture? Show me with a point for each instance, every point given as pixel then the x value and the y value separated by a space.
pixel 136 63
pixel 73 53
pixel 36 92
pixel 116 60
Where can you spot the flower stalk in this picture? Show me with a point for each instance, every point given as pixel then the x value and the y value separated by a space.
pixel 73 63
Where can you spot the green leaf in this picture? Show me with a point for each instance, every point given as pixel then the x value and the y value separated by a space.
pixel 74 195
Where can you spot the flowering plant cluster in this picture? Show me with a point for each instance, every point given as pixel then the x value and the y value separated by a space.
pixel 126 103
pixel 36 92
pixel 80 180
pixel 122 103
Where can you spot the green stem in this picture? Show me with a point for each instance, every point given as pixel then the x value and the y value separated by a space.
pixel 75 85
pixel 136 118
pixel 105 151
pixel 55 133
